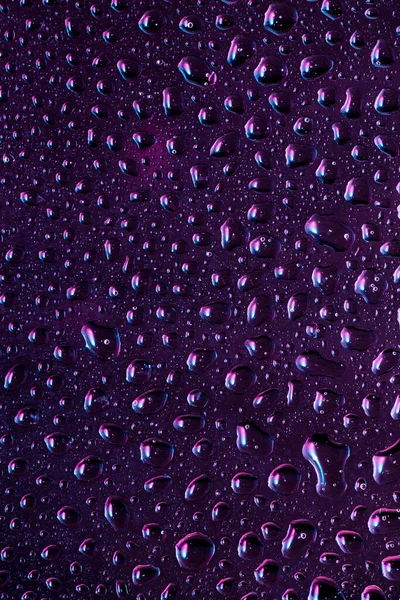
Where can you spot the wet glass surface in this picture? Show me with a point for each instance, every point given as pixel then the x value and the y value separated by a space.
pixel 199 271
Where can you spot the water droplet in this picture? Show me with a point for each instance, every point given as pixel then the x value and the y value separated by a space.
pixel 104 342
pixel 194 551
pixel 328 459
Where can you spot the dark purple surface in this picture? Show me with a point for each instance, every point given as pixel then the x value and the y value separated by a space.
pixel 199 316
